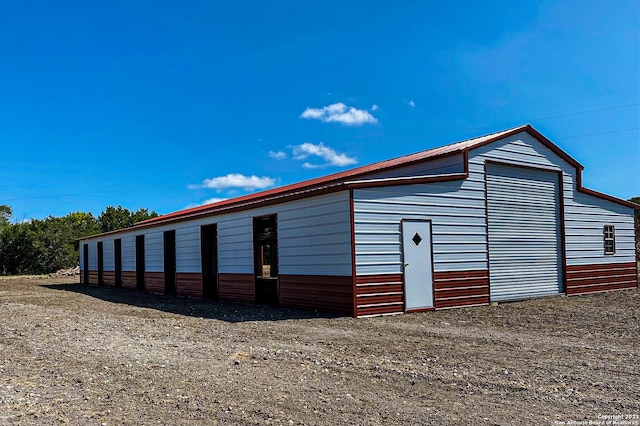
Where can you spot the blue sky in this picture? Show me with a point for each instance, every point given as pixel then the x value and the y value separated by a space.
pixel 166 105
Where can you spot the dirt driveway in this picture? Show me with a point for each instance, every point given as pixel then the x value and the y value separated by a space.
pixel 80 355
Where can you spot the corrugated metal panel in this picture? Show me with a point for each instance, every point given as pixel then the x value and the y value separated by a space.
pixel 82 258
pixel 329 294
pixel 601 277
pixel 107 250
pixel 337 179
pixel 313 238
pixel 443 165
pixel 128 253
pixel 585 215
pixel 525 258
pixel 585 219
pixel 188 249
pixel 93 255
pixel 456 210
pixel 153 252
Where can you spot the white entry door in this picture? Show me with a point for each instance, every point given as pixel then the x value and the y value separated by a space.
pixel 418 268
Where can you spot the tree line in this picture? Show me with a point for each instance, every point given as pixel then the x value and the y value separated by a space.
pixel 42 246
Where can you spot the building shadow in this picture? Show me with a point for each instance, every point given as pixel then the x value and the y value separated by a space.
pixel 200 308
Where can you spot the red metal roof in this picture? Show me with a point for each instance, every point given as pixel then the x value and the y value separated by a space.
pixel 334 181
pixel 339 178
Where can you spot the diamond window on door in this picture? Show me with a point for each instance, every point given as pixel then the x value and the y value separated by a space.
pixel 416 239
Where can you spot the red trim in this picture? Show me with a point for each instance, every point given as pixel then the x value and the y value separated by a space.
pixel 379 294
pixel 594 278
pixel 607 197
pixel 337 181
pixel 546 142
pixel 407 181
pixel 326 293
pixel 189 284
pixel 461 288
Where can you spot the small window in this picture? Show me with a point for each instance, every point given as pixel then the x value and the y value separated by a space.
pixel 609 239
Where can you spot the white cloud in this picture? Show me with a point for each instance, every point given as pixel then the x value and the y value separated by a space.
pixel 212 201
pixel 340 113
pixel 205 202
pixel 278 155
pixel 329 155
pixel 412 104
pixel 236 180
pixel 374 107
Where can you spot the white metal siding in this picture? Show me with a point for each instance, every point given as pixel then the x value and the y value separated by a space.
pixel 585 219
pixel 444 165
pixel 188 249
pixel 81 253
pixel 314 233
pixel 235 243
pixel 525 258
pixel 313 238
pixel 128 252
pixel 93 255
pixel 584 214
pixel 107 254
pixel 457 211
pixel 153 252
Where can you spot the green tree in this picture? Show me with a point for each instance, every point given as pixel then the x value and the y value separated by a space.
pixel 41 246
pixel 44 246
pixel 114 218
pixel 5 215
pixel 143 214
pixel 17 250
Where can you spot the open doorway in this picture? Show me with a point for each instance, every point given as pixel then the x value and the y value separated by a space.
pixel 209 257
pixel 140 262
pixel 169 262
pixel 85 263
pixel 265 252
pixel 117 261
pixel 100 263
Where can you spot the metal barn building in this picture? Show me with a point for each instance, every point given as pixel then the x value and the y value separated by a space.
pixel 497 218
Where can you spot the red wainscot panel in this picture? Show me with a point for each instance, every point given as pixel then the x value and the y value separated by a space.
pixel 129 279
pixel 237 288
pixel 189 284
pixel 318 292
pixel 154 282
pixel 460 289
pixel 379 294
pixel 583 279
pixel 93 277
pixel 109 278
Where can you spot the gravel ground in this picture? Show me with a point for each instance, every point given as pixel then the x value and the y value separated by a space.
pixel 84 355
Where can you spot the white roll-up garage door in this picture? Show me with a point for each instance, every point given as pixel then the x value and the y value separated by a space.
pixel 525 253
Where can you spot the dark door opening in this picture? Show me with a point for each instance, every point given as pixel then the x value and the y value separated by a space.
pixel 169 262
pixel 100 263
pixel 140 262
pixel 117 261
pixel 85 263
pixel 209 257
pixel 265 255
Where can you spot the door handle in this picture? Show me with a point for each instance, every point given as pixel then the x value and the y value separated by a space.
pixel 406 264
